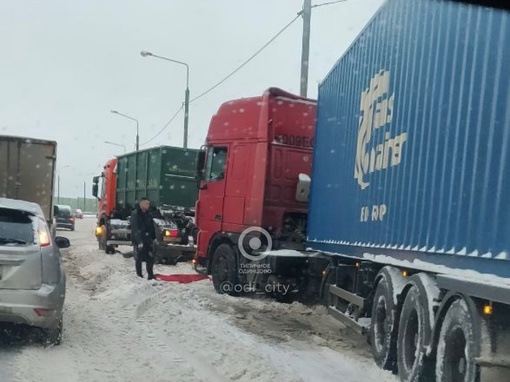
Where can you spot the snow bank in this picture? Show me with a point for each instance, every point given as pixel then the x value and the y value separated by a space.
pixel 119 327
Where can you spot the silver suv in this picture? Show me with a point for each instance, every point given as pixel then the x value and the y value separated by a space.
pixel 32 278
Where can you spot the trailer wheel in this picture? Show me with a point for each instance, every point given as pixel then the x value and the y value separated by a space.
pixel 383 325
pixel 415 331
pixel 224 270
pixel 456 347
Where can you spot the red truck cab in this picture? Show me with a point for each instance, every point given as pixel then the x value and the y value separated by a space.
pixel 106 202
pixel 106 199
pixel 257 150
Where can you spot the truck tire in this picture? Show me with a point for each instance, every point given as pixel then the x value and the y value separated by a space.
pixel 110 250
pixel 456 346
pixel 224 270
pixel 383 327
pixel 415 332
pixel 101 240
pixel 413 335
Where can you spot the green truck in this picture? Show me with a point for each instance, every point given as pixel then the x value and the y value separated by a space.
pixel 165 175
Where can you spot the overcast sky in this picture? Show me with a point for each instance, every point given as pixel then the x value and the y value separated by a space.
pixel 65 64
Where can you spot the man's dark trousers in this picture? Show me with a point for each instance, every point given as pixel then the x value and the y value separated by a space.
pixel 141 255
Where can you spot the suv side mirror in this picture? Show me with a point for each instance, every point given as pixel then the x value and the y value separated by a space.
pixel 62 242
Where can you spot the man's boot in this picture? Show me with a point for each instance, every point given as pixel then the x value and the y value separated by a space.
pixel 138 266
pixel 150 269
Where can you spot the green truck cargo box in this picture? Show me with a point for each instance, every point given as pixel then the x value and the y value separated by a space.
pixel 165 175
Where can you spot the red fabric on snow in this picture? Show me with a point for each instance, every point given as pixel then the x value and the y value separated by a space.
pixel 183 279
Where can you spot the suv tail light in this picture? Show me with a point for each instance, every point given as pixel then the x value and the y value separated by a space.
pixel 43 235
pixel 43 312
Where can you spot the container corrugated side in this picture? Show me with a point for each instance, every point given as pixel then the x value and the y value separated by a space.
pixel 412 143
pixel 165 175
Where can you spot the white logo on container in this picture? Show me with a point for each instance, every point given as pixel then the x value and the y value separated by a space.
pixel 376 111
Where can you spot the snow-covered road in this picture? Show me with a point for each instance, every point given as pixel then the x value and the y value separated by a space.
pixel 122 328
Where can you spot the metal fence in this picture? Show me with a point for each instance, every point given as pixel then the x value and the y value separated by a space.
pixel 86 205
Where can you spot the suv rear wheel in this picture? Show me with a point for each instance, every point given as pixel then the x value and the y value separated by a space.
pixel 54 337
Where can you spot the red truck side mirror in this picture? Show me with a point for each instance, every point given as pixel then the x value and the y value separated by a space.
pixel 199 171
pixel 95 186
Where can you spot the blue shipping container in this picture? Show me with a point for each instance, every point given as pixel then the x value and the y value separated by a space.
pixel 412 148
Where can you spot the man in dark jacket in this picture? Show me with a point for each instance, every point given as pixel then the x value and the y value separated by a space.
pixel 142 236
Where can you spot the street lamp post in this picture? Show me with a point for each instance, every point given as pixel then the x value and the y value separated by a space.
pixel 84 196
pixel 58 183
pixel 186 94
pixel 133 119
pixel 85 190
pixel 116 144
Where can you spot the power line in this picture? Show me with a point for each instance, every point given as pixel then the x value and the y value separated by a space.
pixel 248 60
pixel 328 3
pixel 261 49
pixel 164 127
pixel 226 78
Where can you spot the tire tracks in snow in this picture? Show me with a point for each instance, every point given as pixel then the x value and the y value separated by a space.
pixel 216 350
pixel 120 328
pixel 204 370
pixel 103 341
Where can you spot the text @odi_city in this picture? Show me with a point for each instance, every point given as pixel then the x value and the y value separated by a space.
pixel 228 287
